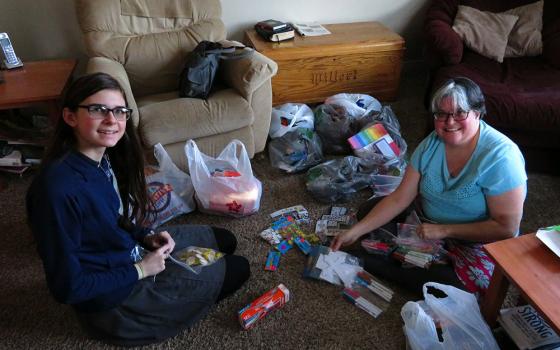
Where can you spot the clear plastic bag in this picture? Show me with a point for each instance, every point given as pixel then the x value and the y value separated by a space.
pixel 355 105
pixel 341 117
pixel 338 180
pixel 296 150
pixel 457 316
pixel 225 184
pixel 289 117
pixel 169 189
pixel 195 258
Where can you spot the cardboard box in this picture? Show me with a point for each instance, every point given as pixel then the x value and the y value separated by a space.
pixel 362 57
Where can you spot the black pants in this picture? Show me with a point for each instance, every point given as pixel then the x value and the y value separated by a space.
pixel 237 267
pixel 410 278
pixel 161 306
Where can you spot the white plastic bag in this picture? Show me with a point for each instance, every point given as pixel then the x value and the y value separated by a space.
pixel 457 315
pixel 169 189
pixel 355 105
pixel 288 117
pixel 225 184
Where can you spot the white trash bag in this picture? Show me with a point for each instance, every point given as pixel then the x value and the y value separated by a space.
pixel 288 117
pixel 458 316
pixel 225 184
pixel 170 190
pixel 355 105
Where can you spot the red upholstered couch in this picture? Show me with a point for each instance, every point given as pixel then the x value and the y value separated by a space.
pixel 522 93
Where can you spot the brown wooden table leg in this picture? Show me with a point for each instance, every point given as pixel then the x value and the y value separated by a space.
pixel 494 297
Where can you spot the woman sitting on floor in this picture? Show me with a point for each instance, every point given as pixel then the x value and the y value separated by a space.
pixel 471 183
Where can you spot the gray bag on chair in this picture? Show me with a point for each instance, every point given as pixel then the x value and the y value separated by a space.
pixel 201 66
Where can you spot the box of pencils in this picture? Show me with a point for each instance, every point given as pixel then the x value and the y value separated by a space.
pixel 263 305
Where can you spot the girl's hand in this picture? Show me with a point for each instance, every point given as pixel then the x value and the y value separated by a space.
pixel 154 262
pixel 343 239
pixel 158 240
pixel 431 231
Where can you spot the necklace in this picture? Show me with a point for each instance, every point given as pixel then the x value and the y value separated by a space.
pixel 106 167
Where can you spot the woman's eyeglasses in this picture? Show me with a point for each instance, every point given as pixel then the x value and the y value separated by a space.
pixel 457 116
pixel 101 112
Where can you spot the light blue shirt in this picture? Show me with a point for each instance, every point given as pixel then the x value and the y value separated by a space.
pixel 495 167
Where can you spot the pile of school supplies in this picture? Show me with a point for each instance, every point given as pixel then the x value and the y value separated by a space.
pixel 288 229
pixel 263 305
pixel 331 225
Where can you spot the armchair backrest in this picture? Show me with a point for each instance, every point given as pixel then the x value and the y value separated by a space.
pixel 150 38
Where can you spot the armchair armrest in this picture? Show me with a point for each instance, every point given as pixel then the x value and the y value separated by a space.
pixel 117 71
pixel 444 45
pixel 246 75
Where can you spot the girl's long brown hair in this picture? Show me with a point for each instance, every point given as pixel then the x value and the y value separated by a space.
pixel 127 158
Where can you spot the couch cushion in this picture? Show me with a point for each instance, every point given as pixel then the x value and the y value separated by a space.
pixel 484 32
pixel 166 118
pixel 521 93
pixel 525 38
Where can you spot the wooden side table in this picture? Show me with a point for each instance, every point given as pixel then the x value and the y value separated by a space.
pixel 362 57
pixel 41 82
pixel 527 263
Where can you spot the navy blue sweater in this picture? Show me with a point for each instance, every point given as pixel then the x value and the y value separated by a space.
pixel 73 208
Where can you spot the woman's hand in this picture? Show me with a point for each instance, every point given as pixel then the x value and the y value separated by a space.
pixel 344 239
pixel 431 231
pixel 158 240
pixel 154 262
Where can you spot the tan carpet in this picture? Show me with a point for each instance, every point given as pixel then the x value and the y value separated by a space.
pixel 317 317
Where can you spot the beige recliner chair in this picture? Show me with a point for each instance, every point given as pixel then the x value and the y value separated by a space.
pixel 144 43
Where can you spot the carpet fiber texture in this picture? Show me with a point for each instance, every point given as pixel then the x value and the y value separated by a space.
pixel 316 317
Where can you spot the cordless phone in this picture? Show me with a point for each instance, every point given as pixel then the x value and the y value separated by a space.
pixel 9 58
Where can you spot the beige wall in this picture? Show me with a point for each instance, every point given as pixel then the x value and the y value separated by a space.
pixel 47 29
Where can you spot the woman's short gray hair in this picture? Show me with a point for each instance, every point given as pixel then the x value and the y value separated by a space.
pixel 465 93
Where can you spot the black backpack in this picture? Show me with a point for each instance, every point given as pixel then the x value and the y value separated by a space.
pixel 201 66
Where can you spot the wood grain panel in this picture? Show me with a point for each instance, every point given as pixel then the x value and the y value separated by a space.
pixel 360 57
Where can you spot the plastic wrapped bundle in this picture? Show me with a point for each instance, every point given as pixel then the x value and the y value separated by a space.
pixel 338 180
pixel 295 151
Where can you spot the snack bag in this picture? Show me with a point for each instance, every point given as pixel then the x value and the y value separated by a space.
pixel 196 258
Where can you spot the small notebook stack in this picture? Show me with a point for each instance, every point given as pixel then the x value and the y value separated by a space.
pixel 273 30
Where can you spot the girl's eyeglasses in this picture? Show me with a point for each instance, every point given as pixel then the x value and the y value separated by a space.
pixel 101 112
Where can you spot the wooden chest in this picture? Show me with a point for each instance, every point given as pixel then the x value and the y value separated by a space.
pixel 362 57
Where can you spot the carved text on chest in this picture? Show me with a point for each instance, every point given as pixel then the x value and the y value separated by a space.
pixel 320 78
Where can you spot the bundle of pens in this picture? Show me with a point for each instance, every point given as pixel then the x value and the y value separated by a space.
pixel 368 294
pixel 415 250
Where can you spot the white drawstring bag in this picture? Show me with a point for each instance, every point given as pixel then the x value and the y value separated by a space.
pixel 288 117
pixel 225 184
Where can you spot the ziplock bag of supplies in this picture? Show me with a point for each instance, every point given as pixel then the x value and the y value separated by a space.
pixel 225 184
pixel 195 258
pixel 338 180
pixel 456 316
pixel 289 117
pixel 169 189
pixel 296 150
